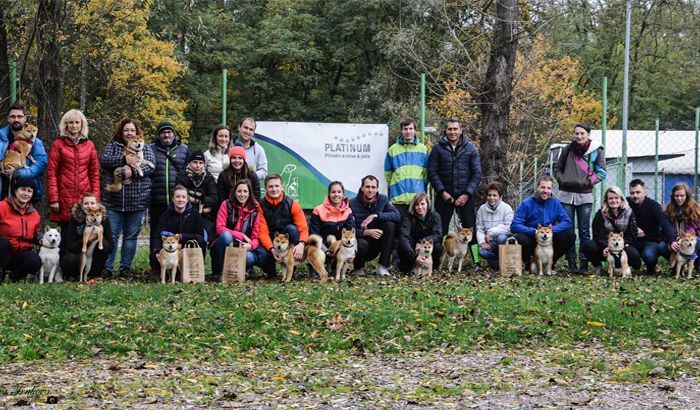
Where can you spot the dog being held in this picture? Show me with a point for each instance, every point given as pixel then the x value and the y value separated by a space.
pixel 456 246
pixel 169 256
pixel 93 228
pixel 18 152
pixel 424 258
pixel 49 254
pixel 344 251
pixel 617 257
pixel 313 255
pixel 686 256
pixel 135 146
pixel 544 251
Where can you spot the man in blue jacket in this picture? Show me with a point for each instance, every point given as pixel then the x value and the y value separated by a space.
pixel 36 160
pixel 454 170
pixel 542 209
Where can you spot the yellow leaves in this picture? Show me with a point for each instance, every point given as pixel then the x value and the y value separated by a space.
pixel 294 332
pixel 595 324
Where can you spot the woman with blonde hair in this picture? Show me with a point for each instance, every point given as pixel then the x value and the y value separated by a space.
pixel 614 216
pixel 684 213
pixel 73 168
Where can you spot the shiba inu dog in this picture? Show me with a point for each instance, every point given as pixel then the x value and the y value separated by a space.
pixel 686 256
pixel 544 251
pixel 424 258
pixel 456 246
pixel 93 226
pixel 313 255
pixel 135 146
pixel 18 152
pixel 617 258
pixel 169 257
pixel 344 250
pixel 49 254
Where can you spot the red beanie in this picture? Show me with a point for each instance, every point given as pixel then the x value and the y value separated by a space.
pixel 237 150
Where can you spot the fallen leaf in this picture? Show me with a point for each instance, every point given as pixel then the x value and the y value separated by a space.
pixel 596 324
pixel 558 382
pixel 656 371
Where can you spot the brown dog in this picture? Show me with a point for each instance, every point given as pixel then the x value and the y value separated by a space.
pixel 344 250
pixel 135 146
pixel 456 246
pixel 313 255
pixel 617 257
pixel 18 152
pixel 169 257
pixel 544 251
pixel 424 259
pixel 686 256
pixel 93 226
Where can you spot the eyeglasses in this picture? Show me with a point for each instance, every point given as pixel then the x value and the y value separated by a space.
pixel 18 117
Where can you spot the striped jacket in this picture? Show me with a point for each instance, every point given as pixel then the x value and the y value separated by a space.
pixel 406 170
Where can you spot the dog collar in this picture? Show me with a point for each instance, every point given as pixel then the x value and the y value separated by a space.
pixel 175 250
pixel 690 257
pixel 48 247
pixel 346 246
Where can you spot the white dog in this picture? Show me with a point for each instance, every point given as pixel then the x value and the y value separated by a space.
pixel 49 255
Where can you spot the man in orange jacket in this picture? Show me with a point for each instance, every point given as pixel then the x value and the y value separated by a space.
pixel 282 214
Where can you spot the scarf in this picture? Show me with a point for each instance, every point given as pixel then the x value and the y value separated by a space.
pixel 197 179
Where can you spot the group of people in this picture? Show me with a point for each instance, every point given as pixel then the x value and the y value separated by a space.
pixel 215 198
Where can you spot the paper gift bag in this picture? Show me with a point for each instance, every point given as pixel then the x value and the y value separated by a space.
pixel 192 263
pixel 234 265
pixel 510 256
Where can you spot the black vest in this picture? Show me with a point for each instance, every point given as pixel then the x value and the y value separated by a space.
pixel 277 217
pixel 232 220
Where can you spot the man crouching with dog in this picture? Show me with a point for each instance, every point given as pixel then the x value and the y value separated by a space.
pixel 20 227
pixel 542 210
pixel 284 215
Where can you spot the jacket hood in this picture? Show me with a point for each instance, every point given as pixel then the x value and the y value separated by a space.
pixel 78 214
pixel 400 140
pixel 443 140
pixel 188 208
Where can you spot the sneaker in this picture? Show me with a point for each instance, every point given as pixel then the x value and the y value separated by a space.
pixel 382 271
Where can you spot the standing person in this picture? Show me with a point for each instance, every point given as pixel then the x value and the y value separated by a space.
pixel 282 214
pixel 653 227
pixel 684 213
pixel 406 167
pixel 238 219
pixel 454 170
pixel 20 227
pixel 377 219
pixel 127 207
pixel 255 154
pixel 36 160
pixel 542 209
pixel 72 242
pixel 614 216
pixel 419 224
pixel 201 189
pixel 216 156
pixel 237 170
pixel 171 157
pixel 581 165
pixel 493 221
pixel 180 218
pixel 73 168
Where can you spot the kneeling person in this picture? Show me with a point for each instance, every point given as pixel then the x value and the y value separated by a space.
pixel 420 224
pixel 20 226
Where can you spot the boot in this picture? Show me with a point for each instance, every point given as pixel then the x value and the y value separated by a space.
pixel 583 268
pixel 572 266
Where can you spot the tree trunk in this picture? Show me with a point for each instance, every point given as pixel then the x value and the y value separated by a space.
pixel 4 68
pixel 49 85
pixel 496 94
pixel 83 82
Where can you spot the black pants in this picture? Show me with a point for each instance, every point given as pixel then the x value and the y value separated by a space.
pixel 154 213
pixel 21 264
pixel 368 248
pixel 562 242
pixel 70 263
pixel 466 213
pixel 407 257
pixel 594 254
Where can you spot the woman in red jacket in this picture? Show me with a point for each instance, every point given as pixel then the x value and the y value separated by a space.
pixel 73 167
pixel 20 225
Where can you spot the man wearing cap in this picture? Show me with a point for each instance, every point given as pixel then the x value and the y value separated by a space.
pixel 201 189
pixel 171 157
pixel 255 154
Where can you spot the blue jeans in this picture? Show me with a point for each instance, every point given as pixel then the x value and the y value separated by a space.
pixel 130 224
pixel 491 255
pixel 222 242
pixel 583 220
pixel 650 252
pixel 264 259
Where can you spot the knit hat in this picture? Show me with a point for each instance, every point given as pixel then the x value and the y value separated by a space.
pixel 197 156
pixel 23 182
pixel 236 150
pixel 165 125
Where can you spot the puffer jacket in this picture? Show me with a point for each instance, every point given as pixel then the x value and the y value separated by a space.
pixel 415 228
pixel 34 169
pixel 457 171
pixel 19 226
pixel 579 173
pixel 166 171
pixel 327 219
pixel 493 221
pixel 72 241
pixel 134 196
pixel 73 170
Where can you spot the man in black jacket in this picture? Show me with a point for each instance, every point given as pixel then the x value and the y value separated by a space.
pixel 652 226
pixel 454 170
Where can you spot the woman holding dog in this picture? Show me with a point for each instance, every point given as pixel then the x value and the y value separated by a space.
pixel 216 156
pixel 72 242
pixel 126 207
pixel 617 217
pixel 237 170
pixel 20 225
pixel 73 168
pixel 684 213
pixel 420 224
pixel 238 220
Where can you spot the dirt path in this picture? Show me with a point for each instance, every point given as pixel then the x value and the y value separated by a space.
pixel 564 378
